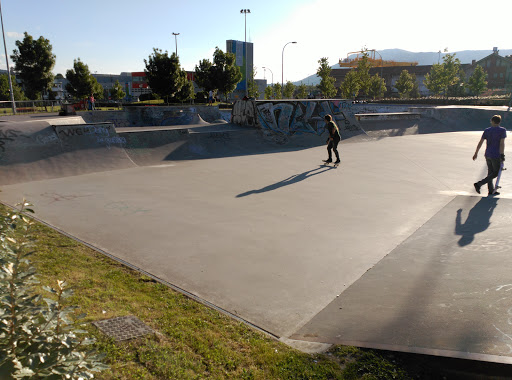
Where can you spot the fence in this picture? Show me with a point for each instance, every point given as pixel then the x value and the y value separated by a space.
pixel 30 106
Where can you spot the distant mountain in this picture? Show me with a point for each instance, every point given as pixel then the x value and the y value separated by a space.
pixel 423 58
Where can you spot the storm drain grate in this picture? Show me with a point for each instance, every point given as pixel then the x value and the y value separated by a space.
pixel 123 328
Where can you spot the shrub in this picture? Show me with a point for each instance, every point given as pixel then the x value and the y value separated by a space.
pixel 36 340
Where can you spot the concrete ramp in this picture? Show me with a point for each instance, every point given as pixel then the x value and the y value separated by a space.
pixel 378 129
pixel 32 151
pixel 155 146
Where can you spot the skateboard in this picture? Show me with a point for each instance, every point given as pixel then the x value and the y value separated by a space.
pixel 497 186
pixel 330 163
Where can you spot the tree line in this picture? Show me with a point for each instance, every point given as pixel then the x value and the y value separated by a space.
pixel 444 79
pixel 34 61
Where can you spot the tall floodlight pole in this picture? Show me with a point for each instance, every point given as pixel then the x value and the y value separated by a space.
pixel 176 41
pixel 245 11
pixel 282 64
pixel 7 63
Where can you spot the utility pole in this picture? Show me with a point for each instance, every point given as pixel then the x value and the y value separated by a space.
pixel 7 63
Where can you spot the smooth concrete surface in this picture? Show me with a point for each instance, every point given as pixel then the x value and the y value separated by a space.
pixel 446 288
pixel 283 242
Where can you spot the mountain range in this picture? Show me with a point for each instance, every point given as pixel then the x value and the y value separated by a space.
pixel 423 58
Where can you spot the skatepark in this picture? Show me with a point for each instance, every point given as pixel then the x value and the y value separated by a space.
pixel 391 250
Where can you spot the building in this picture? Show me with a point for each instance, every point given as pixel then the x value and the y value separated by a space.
pixel 243 51
pixel 139 84
pixel 498 69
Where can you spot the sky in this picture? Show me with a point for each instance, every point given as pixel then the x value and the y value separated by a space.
pixel 114 36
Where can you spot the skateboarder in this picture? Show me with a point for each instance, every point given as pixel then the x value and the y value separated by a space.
pixel 495 136
pixel 333 140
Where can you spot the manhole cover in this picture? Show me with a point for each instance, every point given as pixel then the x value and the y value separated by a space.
pixel 123 328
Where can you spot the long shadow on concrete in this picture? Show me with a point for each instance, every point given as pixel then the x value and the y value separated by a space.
pixel 444 291
pixel 478 220
pixel 288 181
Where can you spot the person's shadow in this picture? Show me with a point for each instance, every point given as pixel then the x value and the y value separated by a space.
pixel 478 220
pixel 288 181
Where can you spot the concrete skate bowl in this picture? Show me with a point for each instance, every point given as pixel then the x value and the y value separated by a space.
pixel 426 120
pixel 36 150
pixel 31 151
pixel 151 147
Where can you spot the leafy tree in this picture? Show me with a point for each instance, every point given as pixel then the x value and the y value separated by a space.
pixel 434 79
pixel 453 76
pixel 289 89
pixel 363 73
pixel 97 89
pixel 5 91
pixel 187 91
pixel 302 91
pixel 203 75
pixel 116 92
pixel 252 87
pixel 164 74
pixel 268 92
pixel 477 82
pixel 377 87
pixel 225 73
pixel 350 86
pixel 278 94
pixel 81 82
pixel 447 78
pixel 34 62
pixel 415 92
pixel 404 84
pixel 326 85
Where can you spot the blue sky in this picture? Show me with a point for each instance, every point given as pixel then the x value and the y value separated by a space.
pixel 112 36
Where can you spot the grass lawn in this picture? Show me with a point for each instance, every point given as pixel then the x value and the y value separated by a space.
pixel 192 340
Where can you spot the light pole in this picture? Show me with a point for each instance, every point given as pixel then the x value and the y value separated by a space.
pixel 7 63
pixel 245 11
pixel 266 68
pixel 282 64
pixel 176 41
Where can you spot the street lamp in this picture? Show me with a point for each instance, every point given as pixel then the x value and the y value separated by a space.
pixel 176 41
pixel 7 64
pixel 282 64
pixel 266 68
pixel 245 11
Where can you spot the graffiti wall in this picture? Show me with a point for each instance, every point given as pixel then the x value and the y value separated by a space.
pixel 292 117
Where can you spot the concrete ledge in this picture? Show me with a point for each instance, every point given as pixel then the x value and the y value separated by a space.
pixel 387 116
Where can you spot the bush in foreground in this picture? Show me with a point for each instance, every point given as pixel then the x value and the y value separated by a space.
pixel 36 340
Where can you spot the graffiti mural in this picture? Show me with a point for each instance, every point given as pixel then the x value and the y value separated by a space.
pixel 244 113
pixel 294 116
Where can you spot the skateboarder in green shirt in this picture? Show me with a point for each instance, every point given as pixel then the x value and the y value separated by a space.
pixel 495 136
pixel 333 140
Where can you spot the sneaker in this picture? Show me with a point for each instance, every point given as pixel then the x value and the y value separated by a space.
pixel 477 187
pixel 337 161
pixel 495 193
pixel 327 161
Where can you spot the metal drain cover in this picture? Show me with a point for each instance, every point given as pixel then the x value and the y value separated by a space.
pixel 123 328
